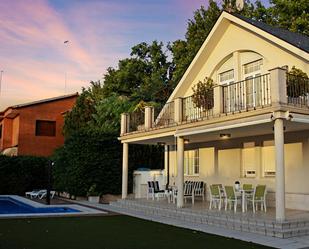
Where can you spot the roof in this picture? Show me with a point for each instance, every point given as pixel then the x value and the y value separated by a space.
pixel 41 101
pixel 296 39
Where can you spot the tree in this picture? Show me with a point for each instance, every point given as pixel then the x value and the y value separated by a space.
pixel 291 15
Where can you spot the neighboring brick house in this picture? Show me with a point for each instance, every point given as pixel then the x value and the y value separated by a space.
pixel 34 128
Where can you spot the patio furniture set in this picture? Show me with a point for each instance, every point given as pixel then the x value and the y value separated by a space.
pixel 230 196
pixel 192 189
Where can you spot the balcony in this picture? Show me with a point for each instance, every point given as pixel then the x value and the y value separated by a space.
pixel 275 88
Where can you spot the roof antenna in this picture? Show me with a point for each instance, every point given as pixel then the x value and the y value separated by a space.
pixel 240 5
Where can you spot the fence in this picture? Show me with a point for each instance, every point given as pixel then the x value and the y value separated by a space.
pixel 247 94
pixel 136 120
pixel 297 90
pixel 164 116
pixel 195 110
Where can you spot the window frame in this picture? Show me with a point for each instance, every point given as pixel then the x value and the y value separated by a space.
pixel 195 163
pixel 42 134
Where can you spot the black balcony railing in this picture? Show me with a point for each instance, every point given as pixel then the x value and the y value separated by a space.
pixel 250 93
pixel 191 111
pixel 164 117
pixel 136 120
pixel 297 90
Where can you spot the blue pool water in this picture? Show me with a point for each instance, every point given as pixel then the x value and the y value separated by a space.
pixel 11 206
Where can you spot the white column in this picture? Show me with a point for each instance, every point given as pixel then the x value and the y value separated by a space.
pixel 280 168
pixel 148 117
pixel 166 164
pixel 180 171
pixel 125 155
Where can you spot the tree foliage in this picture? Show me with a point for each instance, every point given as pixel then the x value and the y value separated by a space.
pixel 291 15
pixel 22 173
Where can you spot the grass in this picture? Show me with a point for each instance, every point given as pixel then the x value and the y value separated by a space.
pixel 105 232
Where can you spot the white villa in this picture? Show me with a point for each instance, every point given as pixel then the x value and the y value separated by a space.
pixel 256 132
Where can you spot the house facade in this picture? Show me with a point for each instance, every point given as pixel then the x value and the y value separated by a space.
pixel 256 129
pixel 34 128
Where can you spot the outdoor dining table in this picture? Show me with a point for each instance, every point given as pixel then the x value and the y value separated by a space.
pixel 243 197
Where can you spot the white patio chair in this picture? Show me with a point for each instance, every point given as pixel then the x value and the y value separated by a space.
pixel 231 197
pixel 37 194
pixel 259 196
pixel 188 191
pixel 199 189
pixel 28 194
pixel 154 191
pixel 150 190
pixel 215 196
pixel 44 194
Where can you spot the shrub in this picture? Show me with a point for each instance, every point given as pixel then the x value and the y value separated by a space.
pixel 22 173
pixel 89 159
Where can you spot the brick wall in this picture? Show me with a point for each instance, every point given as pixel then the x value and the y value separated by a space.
pixel 28 142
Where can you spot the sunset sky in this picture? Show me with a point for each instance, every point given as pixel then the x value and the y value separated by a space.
pixel 35 59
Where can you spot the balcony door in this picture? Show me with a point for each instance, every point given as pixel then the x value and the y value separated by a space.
pixel 227 81
pixel 253 87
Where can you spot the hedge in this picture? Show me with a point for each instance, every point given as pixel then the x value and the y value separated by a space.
pixel 88 159
pixel 22 173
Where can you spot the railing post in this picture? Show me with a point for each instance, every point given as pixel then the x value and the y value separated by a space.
pixel 278 86
pixel 124 124
pixel 178 110
pixel 148 117
pixel 218 100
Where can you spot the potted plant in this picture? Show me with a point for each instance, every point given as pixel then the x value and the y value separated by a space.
pixel 93 194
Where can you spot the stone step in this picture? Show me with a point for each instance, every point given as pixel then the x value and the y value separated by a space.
pixel 229 221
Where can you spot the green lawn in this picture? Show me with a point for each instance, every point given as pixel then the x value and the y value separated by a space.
pixel 105 232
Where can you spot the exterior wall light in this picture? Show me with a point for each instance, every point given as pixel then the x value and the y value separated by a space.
pixel 225 136
pixel 186 141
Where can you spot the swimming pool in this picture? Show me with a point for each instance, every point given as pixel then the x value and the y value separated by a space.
pixel 10 205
